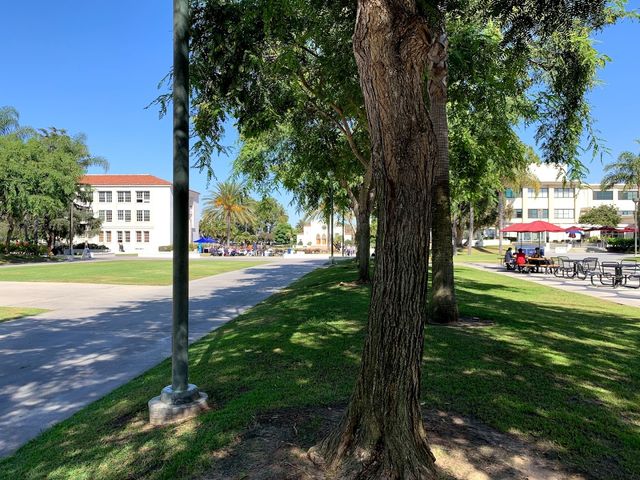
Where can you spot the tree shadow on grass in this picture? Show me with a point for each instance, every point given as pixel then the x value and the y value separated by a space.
pixel 565 378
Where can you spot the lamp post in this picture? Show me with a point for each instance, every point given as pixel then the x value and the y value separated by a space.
pixel 180 400
pixel 635 230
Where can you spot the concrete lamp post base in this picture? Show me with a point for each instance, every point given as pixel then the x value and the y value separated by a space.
pixel 174 407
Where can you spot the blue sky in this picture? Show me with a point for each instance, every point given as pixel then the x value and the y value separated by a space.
pixel 93 67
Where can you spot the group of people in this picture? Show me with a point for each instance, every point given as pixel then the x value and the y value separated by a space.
pixel 522 263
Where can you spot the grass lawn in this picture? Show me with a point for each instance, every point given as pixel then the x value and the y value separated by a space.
pixel 558 368
pixel 121 272
pixel 478 254
pixel 11 313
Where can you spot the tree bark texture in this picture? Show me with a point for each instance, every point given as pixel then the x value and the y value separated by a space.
pixel 382 435
pixel 363 228
pixel 443 306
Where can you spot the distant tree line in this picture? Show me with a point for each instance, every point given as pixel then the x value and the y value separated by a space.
pixel 40 171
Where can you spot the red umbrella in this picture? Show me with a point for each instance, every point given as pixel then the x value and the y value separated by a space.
pixel 534 227
pixel 574 229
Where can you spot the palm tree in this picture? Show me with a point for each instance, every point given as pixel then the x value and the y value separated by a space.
pixel 229 202
pixel 626 170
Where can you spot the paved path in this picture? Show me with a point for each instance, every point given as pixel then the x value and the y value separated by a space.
pixel 98 337
pixel 622 295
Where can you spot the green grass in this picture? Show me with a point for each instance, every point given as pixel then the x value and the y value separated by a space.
pixel 559 368
pixel 120 272
pixel 11 313
pixel 478 255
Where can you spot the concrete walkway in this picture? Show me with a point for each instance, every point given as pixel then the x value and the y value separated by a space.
pixel 621 295
pixel 98 337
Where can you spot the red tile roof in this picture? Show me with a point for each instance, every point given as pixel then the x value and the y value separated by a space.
pixel 123 180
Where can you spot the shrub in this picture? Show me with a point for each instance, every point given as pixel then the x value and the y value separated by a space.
pixel 620 244
pixel 165 248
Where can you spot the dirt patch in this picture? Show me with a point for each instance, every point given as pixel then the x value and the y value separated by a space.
pixel 465 449
pixel 466 322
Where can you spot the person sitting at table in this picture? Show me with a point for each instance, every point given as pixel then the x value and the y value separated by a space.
pixel 537 254
pixel 508 259
pixel 521 260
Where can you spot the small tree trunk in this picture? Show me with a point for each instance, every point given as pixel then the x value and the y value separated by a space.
pixel 9 235
pixel 363 230
pixel 500 219
pixel 470 241
pixel 443 306
pixel 382 435
pixel 228 231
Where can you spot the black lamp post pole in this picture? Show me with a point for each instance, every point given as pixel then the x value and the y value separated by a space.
pixel 180 400
pixel 180 195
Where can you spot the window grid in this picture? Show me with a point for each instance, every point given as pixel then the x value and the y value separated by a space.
pixel 603 195
pixel 108 235
pixel 127 236
pixel 146 237
pixel 543 193
pixel 105 197
pixel 143 196
pixel 138 236
pixel 517 213
pixel 120 236
pixel 101 236
pixel 538 213
pixel 563 192
pixel 563 213
pixel 627 195
pixel 124 197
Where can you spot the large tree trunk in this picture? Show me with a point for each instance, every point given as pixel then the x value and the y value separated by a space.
pixel 382 435
pixel 443 307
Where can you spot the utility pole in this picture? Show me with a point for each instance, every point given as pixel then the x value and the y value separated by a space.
pixel 180 400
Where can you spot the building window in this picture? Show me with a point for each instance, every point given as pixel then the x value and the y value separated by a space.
pixel 603 194
pixel 517 213
pixel 124 197
pixel 108 236
pixel 138 236
pixel 105 197
pixel 101 237
pixel 627 213
pixel 510 193
pixel 538 213
pixel 563 192
pixel 542 193
pixel 102 215
pixel 127 236
pixel 143 196
pixel 127 215
pixel 628 195
pixel 318 241
pixel 143 215
pixel 121 215
pixel 563 213
pixel 146 237
pixel 120 237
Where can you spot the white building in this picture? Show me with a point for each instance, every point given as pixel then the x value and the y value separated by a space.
pixel 562 203
pixel 316 234
pixel 136 212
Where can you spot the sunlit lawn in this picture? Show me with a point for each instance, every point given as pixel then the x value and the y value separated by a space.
pixel 478 255
pixel 11 313
pixel 125 272
pixel 559 368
